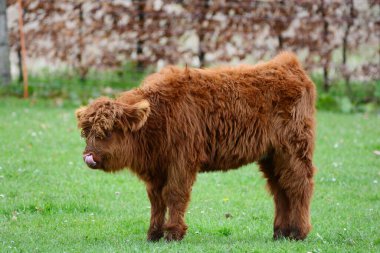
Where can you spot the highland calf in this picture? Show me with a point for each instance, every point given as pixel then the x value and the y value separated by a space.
pixel 184 121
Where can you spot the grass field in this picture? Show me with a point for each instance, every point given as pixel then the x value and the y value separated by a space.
pixel 50 201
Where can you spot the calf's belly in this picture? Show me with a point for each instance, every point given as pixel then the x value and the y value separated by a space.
pixel 226 163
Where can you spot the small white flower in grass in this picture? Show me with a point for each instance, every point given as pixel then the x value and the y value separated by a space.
pixel 333 179
pixel 108 90
pixel 344 229
pixel 2 196
pixel 375 181
pixel 336 145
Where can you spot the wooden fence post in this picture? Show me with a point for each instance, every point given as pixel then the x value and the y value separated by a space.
pixel 23 49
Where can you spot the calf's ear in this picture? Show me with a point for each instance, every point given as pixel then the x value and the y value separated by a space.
pixel 79 114
pixel 137 114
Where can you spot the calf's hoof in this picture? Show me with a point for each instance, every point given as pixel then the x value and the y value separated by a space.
pixel 280 233
pixel 155 235
pixel 175 234
pixel 292 233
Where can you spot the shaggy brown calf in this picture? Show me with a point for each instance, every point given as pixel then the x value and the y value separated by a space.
pixel 184 121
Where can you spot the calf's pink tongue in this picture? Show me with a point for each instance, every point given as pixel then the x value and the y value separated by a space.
pixel 90 160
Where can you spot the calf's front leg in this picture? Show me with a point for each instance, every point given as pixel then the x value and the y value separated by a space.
pixel 158 211
pixel 177 197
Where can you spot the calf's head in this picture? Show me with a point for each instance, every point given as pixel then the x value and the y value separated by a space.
pixel 108 127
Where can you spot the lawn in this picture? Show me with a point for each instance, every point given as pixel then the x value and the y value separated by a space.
pixel 50 201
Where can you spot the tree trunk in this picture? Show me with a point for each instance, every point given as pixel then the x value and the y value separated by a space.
pixel 81 68
pixel 5 70
pixel 19 64
pixel 280 42
pixel 326 82
pixel 279 37
pixel 345 48
pixel 140 43
pixel 19 56
pixel 201 33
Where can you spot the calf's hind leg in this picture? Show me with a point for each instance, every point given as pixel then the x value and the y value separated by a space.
pixel 296 178
pixel 290 180
pixel 281 201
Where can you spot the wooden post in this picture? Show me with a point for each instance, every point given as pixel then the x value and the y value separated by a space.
pixel 23 49
pixel 5 72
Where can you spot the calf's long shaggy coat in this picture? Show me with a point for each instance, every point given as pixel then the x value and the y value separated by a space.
pixel 184 121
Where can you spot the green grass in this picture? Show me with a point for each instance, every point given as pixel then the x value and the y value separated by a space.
pixel 50 201
pixel 361 97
